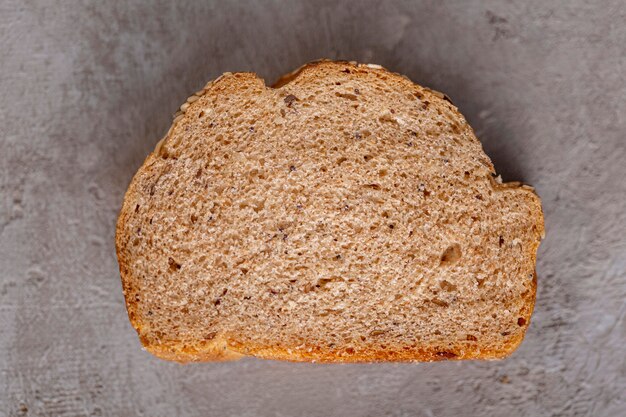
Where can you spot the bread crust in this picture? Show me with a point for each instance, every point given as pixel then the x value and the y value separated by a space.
pixel 224 347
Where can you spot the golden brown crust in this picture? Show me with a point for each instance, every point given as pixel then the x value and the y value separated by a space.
pixel 203 351
pixel 223 347
pixel 121 240
pixel 231 350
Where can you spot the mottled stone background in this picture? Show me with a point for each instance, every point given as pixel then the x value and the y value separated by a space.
pixel 88 87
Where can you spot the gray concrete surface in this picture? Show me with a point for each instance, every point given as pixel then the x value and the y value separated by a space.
pixel 87 88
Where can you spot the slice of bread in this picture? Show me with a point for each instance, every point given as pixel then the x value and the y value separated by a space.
pixel 345 215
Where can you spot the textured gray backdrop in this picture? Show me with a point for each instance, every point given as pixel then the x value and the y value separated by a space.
pixel 87 89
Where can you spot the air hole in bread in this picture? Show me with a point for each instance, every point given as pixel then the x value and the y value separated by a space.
pixel 451 255
pixel 348 96
pixel 323 282
pixel 439 302
pixel 387 118
pixel 447 286
pixel 173 265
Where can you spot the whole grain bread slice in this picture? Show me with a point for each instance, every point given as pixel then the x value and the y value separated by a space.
pixel 345 215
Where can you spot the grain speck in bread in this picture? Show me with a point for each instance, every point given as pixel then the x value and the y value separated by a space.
pixel 345 215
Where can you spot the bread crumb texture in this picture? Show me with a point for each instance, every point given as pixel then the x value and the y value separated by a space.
pixel 345 215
